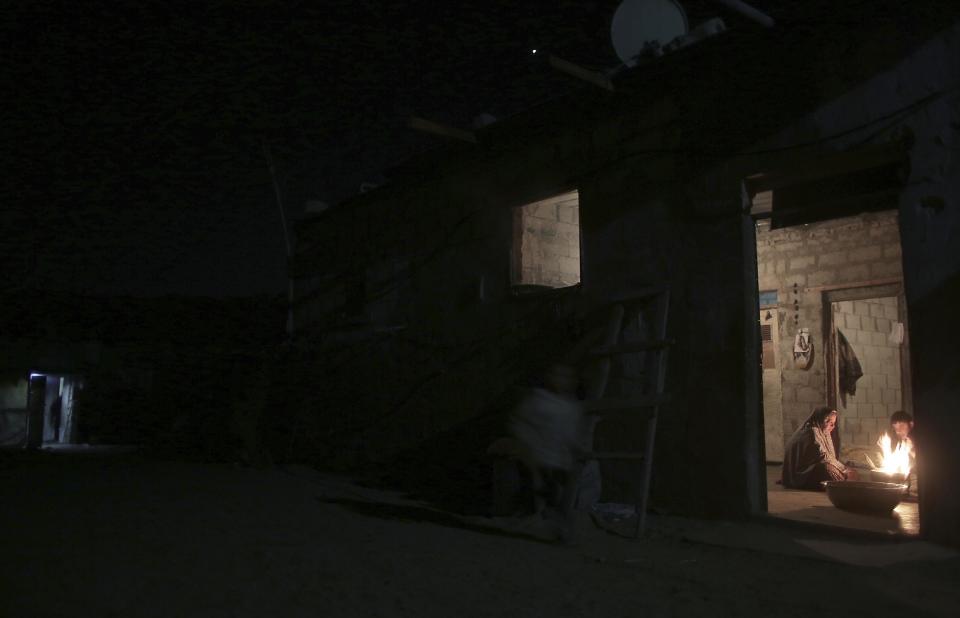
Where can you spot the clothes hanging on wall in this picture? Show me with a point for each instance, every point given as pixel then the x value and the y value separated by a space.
pixel 802 349
pixel 849 368
pixel 896 333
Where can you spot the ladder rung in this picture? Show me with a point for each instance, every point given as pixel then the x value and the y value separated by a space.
pixel 599 406
pixel 615 455
pixel 628 348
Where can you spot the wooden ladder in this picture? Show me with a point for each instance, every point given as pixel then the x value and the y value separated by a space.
pixel 645 405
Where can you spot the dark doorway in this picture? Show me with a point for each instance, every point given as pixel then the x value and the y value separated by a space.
pixel 50 409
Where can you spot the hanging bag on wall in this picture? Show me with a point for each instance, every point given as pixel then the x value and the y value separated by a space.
pixel 802 349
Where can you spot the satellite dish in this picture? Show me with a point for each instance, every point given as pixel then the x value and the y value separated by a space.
pixel 645 26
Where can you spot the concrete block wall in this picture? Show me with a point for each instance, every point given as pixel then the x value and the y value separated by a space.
pixel 13 409
pixel 439 331
pixel 550 241
pixel 13 393
pixel 800 263
pixel 867 324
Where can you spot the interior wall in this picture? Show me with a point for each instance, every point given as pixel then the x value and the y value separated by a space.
pixel 50 398
pixel 550 241
pixel 71 386
pixel 772 384
pixel 800 263
pixel 866 324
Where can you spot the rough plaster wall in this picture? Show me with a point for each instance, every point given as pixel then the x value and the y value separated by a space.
pixel 440 334
pixel 13 393
pixel 409 252
pixel 550 241
pixel 467 343
pixel 462 348
pixel 467 339
pixel 843 251
pixel 866 324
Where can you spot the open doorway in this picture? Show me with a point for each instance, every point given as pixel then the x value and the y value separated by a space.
pixel 834 332
pixel 49 409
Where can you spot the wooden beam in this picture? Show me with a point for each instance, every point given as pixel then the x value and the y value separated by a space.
pixel 847 206
pixel 593 77
pixel 428 126
pixel 855 284
pixel 815 166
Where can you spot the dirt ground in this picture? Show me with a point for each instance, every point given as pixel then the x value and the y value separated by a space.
pixel 124 535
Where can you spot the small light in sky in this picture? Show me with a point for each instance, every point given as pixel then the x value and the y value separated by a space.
pixel 533 50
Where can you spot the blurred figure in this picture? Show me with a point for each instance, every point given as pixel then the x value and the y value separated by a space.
pixel 56 416
pixel 811 456
pixel 547 425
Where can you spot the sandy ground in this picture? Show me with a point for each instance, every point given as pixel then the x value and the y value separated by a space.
pixel 126 536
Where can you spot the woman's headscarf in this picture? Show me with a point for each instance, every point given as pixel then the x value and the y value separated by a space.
pixel 816 419
pixel 818 416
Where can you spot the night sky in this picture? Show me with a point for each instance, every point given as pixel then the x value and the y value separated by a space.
pixel 135 161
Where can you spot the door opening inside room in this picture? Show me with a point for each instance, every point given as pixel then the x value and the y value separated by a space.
pixel 833 332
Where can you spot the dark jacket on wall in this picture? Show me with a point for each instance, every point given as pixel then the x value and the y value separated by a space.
pixel 849 367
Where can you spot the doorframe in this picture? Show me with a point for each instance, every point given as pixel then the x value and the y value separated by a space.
pixel 860 291
pixel 36 408
pixel 68 412
pixel 774 309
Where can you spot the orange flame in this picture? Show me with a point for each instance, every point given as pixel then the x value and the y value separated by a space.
pixel 894 461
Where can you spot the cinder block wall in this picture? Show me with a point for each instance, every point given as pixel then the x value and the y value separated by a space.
pixel 550 242
pixel 13 392
pixel 13 409
pixel 437 329
pixel 866 324
pixel 799 263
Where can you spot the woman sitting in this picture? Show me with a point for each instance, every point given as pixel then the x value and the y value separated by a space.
pixel 811 456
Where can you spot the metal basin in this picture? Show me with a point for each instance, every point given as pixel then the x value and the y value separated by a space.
pixel 865 496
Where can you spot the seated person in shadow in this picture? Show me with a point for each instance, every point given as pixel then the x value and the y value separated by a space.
pixel 811 455
pixel 548 426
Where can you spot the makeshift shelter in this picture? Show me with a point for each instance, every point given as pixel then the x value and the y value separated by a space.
pixel 430 297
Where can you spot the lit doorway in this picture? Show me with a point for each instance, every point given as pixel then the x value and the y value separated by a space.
pixel 829 277
pixel 50 404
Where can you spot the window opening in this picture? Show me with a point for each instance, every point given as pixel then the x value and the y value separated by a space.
pixel 546 244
